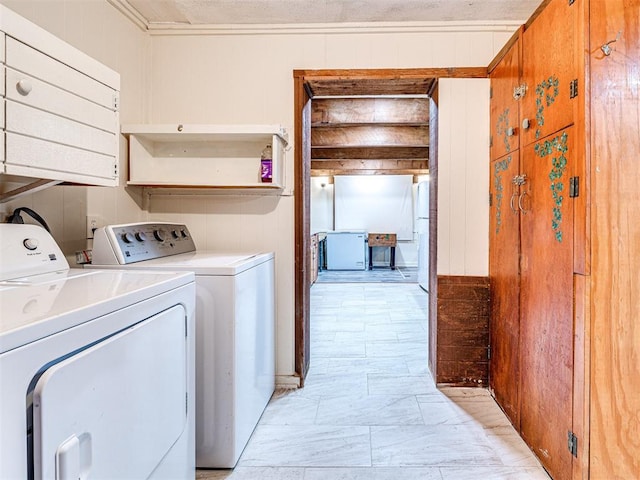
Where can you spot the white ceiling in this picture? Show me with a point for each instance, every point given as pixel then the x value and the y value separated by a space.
pixel 217 12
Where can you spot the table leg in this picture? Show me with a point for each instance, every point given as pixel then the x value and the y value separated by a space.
pixel 370 258
pixel 393 258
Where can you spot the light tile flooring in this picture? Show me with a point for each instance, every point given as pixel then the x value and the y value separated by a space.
pixel 370 410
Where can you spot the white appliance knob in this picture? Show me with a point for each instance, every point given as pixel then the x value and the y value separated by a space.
pixel 159 234
pixel 127 237
pixel 30 243
pixel 141 236
pixel 24 87
pixel 183 233
pixel 175 233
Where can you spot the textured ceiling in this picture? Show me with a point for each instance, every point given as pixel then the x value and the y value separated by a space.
pixel 203 12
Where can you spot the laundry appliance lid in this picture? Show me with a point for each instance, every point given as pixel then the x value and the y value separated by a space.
pixel 203 262
pixel 34 307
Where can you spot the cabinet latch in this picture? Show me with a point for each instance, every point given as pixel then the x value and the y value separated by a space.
pixel 574 187
pixel 572 443
pixel 573 88
pixel 520 180
pixel 519 91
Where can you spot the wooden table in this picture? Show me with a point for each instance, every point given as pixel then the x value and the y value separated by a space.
pixel 382 240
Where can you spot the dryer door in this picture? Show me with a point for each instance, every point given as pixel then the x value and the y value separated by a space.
pixel 113 410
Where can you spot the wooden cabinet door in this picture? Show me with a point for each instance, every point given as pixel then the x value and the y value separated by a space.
pixel 504 275
pixel 505 78
pixel 546 301
pixel 548 68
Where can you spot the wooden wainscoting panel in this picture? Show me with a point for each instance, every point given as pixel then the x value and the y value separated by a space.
pixel 463 331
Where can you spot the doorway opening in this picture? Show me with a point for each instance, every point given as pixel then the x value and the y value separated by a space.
pixel 345 108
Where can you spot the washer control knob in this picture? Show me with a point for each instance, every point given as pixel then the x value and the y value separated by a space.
pixel 175 233
pixel 141 236
pixel 127 237
pixel 183 232
pixel 160 235
pixel 30 243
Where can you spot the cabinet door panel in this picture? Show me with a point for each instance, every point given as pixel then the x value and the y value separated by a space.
pixel 549 66
pixel 504 107
pixel 546 328
pixel 504 258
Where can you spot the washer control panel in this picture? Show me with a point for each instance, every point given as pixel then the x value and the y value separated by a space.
pixel 136 242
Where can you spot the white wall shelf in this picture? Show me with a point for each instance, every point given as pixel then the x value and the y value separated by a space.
pixel 201 157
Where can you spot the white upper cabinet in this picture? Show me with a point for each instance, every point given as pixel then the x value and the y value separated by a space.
pixel 205 156
pixel 60 119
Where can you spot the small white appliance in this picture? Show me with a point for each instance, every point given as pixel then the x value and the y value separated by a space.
pixel 422 223
pixel 346 250
pixel 96 367
pixel 235 328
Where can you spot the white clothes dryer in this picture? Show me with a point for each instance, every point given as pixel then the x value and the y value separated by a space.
pixel 235 327
pixel 96 367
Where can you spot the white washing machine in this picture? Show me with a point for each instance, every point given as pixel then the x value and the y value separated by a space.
pixel 235 328
pixel 96 367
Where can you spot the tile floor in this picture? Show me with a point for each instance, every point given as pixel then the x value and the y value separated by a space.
pixel 370 410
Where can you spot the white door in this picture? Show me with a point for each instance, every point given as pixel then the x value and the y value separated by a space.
pixel 114 410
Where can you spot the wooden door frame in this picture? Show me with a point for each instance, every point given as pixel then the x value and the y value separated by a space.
pixel 302 184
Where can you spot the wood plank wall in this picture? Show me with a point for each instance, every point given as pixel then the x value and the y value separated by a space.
pixel 463 331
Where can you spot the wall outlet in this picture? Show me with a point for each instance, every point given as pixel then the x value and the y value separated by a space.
pixel 93 223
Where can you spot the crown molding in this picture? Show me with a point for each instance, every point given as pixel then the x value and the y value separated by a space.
pixel 125 8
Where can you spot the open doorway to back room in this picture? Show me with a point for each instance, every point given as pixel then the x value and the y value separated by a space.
pixel 369 153
pixel 362 149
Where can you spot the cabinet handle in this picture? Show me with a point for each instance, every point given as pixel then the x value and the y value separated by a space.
pixel 511 132
pixel 526 123
pixel 24 87
pixel 521 202
pixel 512 203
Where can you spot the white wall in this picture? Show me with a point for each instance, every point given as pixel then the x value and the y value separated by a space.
pixel 245 76
pixel 322 220
pixel 321 204
pixel 463 177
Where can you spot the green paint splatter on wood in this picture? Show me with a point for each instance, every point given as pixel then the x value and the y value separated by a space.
pixel 546 93
pixel 498 168
pixel 557 149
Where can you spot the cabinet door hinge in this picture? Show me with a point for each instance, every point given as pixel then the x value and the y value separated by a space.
pixel 490 92
pixel 490 140
pixel 116 102
pixel 491 199
pixel 489 352
pixel 572 443
pixel 573 88
pixel 574 187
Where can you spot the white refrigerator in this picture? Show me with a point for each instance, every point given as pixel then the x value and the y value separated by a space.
pixel 346 250
pixel 422 221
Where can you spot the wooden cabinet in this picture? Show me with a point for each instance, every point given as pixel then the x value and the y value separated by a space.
pixel 564 253
pixel 505 108
pixel 226 157
pixel 549 71
pixel 546 300
pixel 504 271
pixel 314 260
pixel 60 110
